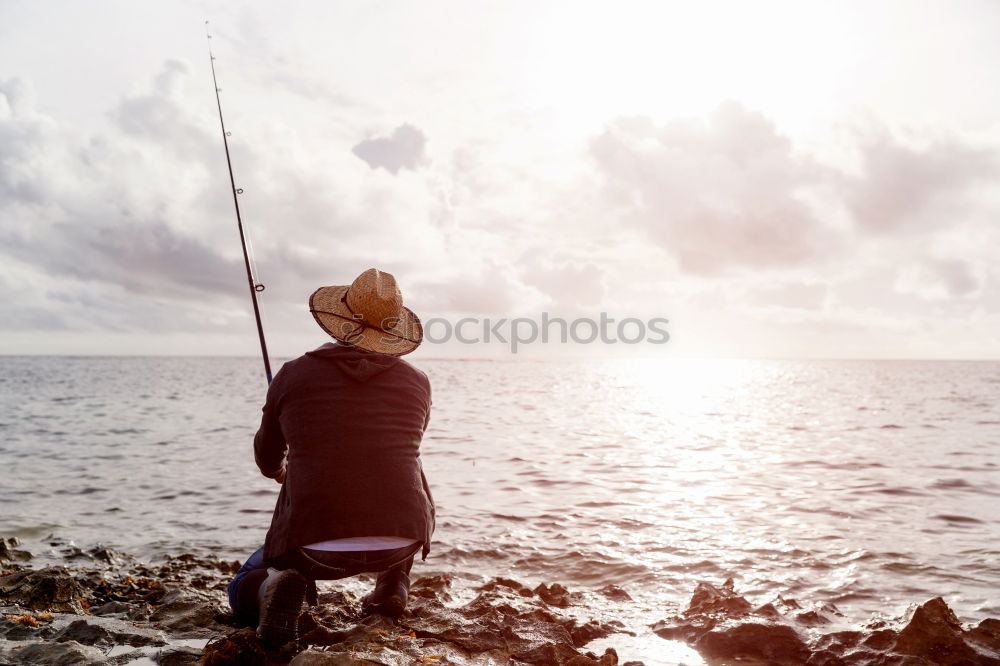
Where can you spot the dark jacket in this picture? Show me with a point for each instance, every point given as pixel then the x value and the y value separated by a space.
pixel 351 422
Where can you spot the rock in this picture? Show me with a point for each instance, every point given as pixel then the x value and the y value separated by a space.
pixel 16 625
pixel 188 618
pixel 498 620
pixel 547 653
pixel 178 656
pixel 9 552
pixel 609 658
pixel 100 553
pixel 55 654
pixel 52 588
pixel 554 595
pixel 615 593
pixel 240 647
pixel 935 634
pixel 317 658
pixel 985 635
pixel 105 632
pixel 506 623
pixel 721 626
pixel 709 599
pixel 432 587
pixel 772 643
pixel 587 632
pixel 508 583
pixel 112 608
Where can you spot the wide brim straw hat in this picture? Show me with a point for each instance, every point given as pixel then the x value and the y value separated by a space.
pixel 368 313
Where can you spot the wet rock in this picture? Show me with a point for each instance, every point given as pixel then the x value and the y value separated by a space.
pixel 587 632
pixel 106 555
pixel 53 654
pixel 985 634
pixel 432 587
pixel 66 548
pixel 106 632
pixel 52 588
pixel 127 588
pixel 773 643
pixel 240 647
pixel 522 590
pixel 18 625
pixel 935 634
pixel 615 593
pixel 505 623
pixel 550 654
pixel 609 658
pixel 189 618
pixel 501 621
pixel 554 595
pixel 112 608
pixel 721 626
pixel 178 656
pixel 711 600
pixel 186 563
pixel 318 658
pixel 9 551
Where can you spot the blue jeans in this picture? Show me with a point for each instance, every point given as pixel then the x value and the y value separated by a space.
pixel 253 563
pixel 325 565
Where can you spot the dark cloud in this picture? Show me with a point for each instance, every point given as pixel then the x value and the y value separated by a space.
pixel 716 194
pixel 403 150
pixel 143 206
pixel 68 208
pixel 903 187
pixel 147 257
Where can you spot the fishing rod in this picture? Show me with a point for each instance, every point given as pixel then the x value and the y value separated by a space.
pixel 255 286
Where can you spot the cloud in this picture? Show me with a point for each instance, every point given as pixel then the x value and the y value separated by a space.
pixel 403 150
pixel 568 285
pixel 902 187
pixel 731 193
pixel 717 194
pixel 938 279
pixel 795 295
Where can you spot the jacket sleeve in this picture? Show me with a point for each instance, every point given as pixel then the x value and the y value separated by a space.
pixel 269 445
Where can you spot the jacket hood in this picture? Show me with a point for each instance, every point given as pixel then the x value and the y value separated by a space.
pixel 359 364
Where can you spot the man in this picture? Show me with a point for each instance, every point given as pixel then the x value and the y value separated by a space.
pixel 341 432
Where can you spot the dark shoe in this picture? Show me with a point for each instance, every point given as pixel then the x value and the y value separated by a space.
pixel 280 599
pixel 389 596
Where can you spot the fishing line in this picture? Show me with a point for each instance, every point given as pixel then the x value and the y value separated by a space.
pixel 251 264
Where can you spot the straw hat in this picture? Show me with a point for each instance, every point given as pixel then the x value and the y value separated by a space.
pixel 369 314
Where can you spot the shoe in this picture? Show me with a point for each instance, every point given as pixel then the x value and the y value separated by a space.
pixel 389 596
pixel 280 600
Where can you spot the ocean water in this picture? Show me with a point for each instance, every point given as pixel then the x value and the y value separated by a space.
pixel 872 485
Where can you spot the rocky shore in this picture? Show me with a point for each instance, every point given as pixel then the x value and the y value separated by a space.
pixel 98 606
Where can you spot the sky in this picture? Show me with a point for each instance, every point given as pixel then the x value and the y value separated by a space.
pixel 775 179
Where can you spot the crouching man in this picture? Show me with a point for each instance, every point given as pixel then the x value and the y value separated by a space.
pixel 341 433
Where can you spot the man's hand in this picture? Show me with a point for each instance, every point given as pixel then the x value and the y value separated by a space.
pixel 281 476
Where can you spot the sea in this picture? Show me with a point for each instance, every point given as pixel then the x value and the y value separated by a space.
pixel 872 485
